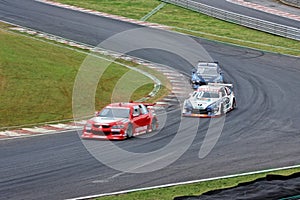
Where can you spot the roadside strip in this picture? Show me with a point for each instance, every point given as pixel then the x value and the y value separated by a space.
pixel 94 12
pixel 184 183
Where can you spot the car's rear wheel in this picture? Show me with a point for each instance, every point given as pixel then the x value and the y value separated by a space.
pixel 129 131
pixel 154 125
pixel 233 104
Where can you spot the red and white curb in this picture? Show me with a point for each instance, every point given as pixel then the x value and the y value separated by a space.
pixel 41 130
pixel 94 12
pixel 265 9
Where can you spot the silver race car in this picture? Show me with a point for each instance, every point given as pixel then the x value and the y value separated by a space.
pixel 210 100
pixel 206 72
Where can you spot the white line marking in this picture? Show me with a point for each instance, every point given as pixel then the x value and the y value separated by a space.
pixel 184 183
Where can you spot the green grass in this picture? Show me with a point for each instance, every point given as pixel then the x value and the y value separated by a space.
pixel 134 9
pixel 193 23
pixel 194 189
pixel 37 78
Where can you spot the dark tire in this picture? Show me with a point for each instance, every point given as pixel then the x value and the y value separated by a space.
pixel 222 109
pixel 233 104
pixel 129 131
pixel 154 124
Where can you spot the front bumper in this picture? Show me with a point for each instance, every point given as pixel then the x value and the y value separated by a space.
pixel 200 115
pixel 87 135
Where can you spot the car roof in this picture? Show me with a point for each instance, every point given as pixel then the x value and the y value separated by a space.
pixel 208 64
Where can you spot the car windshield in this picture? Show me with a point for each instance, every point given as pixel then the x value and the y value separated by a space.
pixel 206 94
pixel 114 112
pixel 207 70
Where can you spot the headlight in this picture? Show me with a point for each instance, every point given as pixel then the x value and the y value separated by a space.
pixel 120 126
pixel 88 127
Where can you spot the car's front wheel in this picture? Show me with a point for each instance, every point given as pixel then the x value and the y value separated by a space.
pixel 222 109
pixel 129 131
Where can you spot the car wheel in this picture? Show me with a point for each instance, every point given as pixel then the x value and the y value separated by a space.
pixel 154 125
pixel 233 104
pixel 129 131
pixel 222 109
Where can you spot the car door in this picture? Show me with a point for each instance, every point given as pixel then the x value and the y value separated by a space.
pixel 145 117
pixel 225 99
pixel 139 119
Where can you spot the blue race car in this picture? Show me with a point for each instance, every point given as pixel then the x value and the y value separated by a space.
pixel 206 72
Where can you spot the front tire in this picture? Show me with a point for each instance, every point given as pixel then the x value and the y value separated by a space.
pixel 222 112
pixel 129 131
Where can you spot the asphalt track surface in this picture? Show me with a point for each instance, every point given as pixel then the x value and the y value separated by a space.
pixel 262 133
pixel 225 5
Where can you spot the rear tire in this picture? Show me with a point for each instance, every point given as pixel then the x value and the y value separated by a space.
pixel 233 104
pixel 154 125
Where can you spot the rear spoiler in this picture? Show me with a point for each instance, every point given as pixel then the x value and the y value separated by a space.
pixel 149 104
pixel 222 84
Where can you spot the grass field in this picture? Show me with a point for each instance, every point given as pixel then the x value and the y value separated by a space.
pixel 193 23
pixel 37 78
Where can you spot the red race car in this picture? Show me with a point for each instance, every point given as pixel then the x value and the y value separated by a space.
pixel 119 121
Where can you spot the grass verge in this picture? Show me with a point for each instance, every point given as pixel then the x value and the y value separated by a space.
pixel 194 189
pixel 193 23
pixel 37 78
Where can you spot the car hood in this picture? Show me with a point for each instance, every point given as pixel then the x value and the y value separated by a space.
pixel 209 77
pixel 202 103
pixel 107 120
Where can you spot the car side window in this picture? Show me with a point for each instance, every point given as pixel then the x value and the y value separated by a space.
pixel 136 111
pixel 143 108
pixel 223 92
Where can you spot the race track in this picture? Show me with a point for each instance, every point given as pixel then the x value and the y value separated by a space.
pixel 262 133
pixel 225 5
